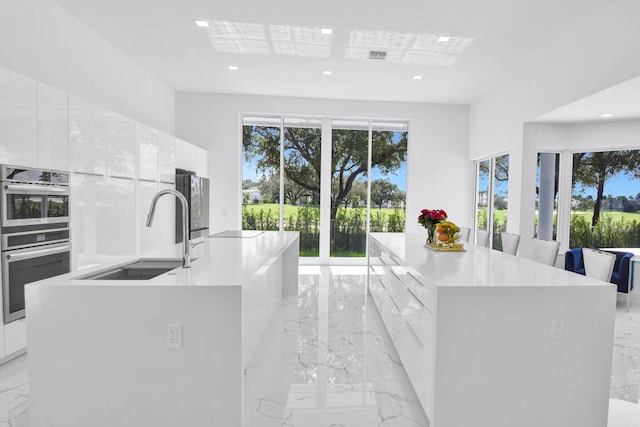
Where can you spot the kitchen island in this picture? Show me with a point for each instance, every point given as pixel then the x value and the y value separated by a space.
pixel 168 351
pixel 494 340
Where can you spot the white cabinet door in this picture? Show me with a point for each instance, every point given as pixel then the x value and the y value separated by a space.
pixel 165 218
pixel 53 128
pixel 121 146
pixel 148 236
pixel 166 158
pixel 15 336
pixel 87 137
pixel 17 119
pixel 147 142
pixel 117 235
pixel 88 198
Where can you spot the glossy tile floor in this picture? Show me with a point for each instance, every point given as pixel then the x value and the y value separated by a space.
pixel 326 360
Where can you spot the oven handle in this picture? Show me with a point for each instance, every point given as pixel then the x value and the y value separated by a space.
pixel 38 253
pixel 35 188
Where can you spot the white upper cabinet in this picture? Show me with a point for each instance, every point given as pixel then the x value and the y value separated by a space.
pixel 166 158
pixel 88 201
pixel 121 146
pixel 147 142
pixel 147 237
pixel 117 235
pixel 53 128
pixel 17 119
pixel 87 137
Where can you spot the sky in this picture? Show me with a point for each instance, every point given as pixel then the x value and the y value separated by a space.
pixel 618 185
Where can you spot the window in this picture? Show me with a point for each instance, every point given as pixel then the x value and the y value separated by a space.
pixel 492 185
pixel 605 199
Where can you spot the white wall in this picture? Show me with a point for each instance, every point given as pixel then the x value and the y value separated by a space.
pixel 581 62
pixel 41 40
pixel 438 172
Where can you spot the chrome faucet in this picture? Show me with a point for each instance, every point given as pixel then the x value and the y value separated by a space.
pixel 186 247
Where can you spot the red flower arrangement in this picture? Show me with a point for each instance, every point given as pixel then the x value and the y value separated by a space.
pixel 430 217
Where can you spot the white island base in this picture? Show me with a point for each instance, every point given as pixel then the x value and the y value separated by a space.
pixel 494 340
pixel 98 353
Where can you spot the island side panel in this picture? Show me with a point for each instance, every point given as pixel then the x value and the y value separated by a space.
pixel 495 357
pixel 97 356
pixel 262 291
pixel 290 268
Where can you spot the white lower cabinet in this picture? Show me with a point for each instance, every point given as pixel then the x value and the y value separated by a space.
pixel 407 312
pixel 15 336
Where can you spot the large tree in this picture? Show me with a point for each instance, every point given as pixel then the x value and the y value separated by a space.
pixel 302 156
pixel 383 191
pixel 593 170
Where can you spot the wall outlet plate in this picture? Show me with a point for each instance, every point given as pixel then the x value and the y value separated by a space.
pixel 556 331
pixel 173 335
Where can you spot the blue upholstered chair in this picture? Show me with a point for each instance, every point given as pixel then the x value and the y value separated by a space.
pixel 573 261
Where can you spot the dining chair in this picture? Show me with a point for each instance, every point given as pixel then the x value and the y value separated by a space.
pixel 465 232
pixel 482 238
pixel 598 264
pixel 510 243
pixel 545 251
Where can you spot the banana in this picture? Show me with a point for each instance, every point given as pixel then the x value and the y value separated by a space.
pixel 449 224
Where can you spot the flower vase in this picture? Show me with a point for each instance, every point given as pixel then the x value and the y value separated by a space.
pixel 431 235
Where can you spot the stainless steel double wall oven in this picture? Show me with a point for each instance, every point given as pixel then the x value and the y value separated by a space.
pixel 34 229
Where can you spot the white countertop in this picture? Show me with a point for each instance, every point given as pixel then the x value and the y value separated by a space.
pixel 477 266
pixel 223 261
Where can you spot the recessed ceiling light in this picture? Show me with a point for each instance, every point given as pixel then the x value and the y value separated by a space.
pixel 443 38
pixel 326 31
pixel 417 77
pixel 233 67
pixel 201 23
pixel 327 72
pixel 607 115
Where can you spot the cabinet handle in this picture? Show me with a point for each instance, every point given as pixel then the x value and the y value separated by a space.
pixel 416 297
pixel 394 274
pixel 395 260
pixel 394 302
pixel 414 278
pixel 382 284
pixel 382 261
pixel 372 269
pixel 415 336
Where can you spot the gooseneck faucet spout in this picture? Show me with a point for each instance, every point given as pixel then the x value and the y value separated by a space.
pixel 186 247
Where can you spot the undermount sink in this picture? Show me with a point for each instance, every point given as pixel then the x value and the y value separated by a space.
pixel 141 269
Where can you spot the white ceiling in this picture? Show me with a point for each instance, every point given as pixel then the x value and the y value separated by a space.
pixel 278 50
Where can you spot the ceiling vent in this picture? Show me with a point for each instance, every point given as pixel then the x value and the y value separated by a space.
pixel 377 54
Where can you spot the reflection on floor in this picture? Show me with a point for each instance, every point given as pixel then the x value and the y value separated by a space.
pixel 327 361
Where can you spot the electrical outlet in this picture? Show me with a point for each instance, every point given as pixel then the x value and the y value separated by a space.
pixel 173 335
pixel 557 328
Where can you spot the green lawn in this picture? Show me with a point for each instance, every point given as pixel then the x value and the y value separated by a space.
pixel 289 210
pixel 615 216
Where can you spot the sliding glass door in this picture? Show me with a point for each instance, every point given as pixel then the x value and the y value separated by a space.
pixel 492 190
pixel 282 180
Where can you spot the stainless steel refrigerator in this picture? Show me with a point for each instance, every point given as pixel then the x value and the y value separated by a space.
pixel 196 191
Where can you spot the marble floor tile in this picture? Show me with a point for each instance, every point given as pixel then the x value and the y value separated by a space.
pixel 327 361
